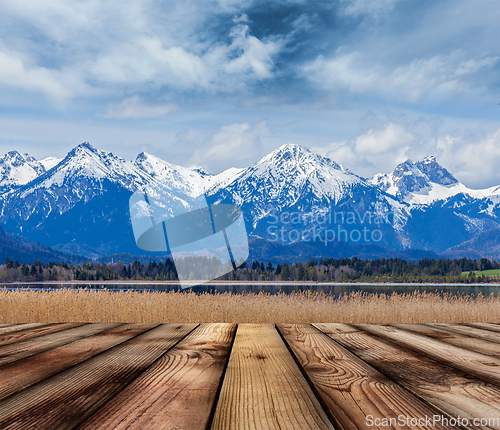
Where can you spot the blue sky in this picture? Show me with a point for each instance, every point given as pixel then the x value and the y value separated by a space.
pixel 216 84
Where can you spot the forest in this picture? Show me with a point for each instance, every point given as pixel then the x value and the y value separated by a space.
pixel 322 270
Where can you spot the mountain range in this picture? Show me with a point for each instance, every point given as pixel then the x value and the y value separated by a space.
pixel 296 204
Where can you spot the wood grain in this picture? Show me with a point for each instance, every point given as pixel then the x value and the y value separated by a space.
pixel 72 396
pixel 30 332
pixel 20 350
pixel 478 333
pixel 470 362
pixel 22 374
pixel 485 326
pixel 450 390
pixel 178 391
pixel 467 342
pixel 11 328
pixel 351 389
pixel 263 387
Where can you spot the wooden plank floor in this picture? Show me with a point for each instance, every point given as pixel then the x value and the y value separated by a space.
pixel 249 376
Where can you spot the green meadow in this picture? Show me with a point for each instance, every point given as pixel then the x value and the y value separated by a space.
pixel 492 272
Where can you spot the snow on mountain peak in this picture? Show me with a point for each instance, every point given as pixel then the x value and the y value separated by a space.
pixel 429 159
pixel 18 169
pixel 191 182
pixel 288 174
pixel 423 182
pixel 50 162
pixel 435 172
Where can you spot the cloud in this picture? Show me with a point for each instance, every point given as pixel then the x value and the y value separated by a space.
pixel 377 150
pixel 14 73
pixel 146 60
pixel 372 8
pixel 142 46
pixel 234 145
pixel 438 77
pixel 473 158
pixel 255 56
pixel 134 107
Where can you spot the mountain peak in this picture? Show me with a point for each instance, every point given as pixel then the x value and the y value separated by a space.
pixel 18 169
pixel 435 172
pixel 13 154
pixel 85 145
pixel 429 159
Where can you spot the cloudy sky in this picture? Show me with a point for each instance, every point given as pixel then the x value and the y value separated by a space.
pixel 369 83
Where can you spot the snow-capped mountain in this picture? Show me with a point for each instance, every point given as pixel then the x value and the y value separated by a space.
pixel 287 173
pixel 292 188
pixel 50 162
pixel 181 179
pixel 81 202
pixel 426 182
pixel 442 211
pixel 18 169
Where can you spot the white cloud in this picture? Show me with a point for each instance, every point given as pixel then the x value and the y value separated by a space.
pixel 134 107
pixel 14 73
pixel 256 56
pixel 377 150
pixel 111 47
pixel 234 145
pixel 366 7
pixel 472 158
pixel 147 60
pixel 437 77
pixel 384 140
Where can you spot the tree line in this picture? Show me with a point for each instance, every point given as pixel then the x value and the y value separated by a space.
pixel 322 270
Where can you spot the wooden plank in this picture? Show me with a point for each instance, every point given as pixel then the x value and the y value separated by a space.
pixel 470 362
pixel 467 342
pixel 485 326
pixel 22 374
pixel 30 333
pixel 72 396
pixel 451 390
pixel 11 328
pixel 178 391
pixel 263 387
pixel 350 389
pixel 469 331
pixel 20 350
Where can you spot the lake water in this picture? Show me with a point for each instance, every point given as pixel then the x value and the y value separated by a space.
pixel 335 289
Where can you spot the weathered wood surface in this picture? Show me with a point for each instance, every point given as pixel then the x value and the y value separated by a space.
pixel 27 348
pixel 31 332
pixel 178 391
pixel 20 375
pixel 478 333
pixel 350 388
pixel 70 397
pixel 263 387
pixel 485 326
pixel 10 328
pixel 249 376
pixel 452 391
pixel 453 338
pixel 480 365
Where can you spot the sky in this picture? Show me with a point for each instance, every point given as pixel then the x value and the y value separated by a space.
pixel 219 84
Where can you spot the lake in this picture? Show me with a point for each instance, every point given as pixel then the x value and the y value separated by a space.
pixel 335 289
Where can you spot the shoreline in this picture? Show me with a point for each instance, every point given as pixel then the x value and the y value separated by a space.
pixel 252 283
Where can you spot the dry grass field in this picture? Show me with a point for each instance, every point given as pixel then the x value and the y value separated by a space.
pixel 71 305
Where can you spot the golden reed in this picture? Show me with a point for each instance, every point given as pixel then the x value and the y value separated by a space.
pixel 71 305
